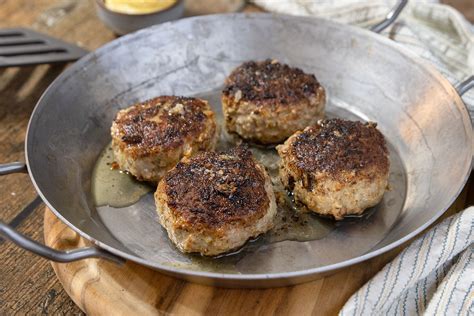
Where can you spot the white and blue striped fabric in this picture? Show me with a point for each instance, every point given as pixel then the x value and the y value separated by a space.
pixel 433 276
pixel 435 32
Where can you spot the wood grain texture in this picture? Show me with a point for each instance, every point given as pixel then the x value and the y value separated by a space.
pixel 99 287
pixel 27 282
pixel 136 289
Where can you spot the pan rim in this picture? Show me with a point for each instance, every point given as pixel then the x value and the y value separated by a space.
pixel 300 274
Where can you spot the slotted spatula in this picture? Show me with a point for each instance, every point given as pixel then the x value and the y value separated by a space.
pixel 23 47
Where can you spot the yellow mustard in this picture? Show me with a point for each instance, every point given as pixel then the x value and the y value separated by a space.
pixel 138 6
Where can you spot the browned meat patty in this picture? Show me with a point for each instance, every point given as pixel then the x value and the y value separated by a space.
pixel 150 138
pixel 214 202
pixel 266 102
pixel 336 167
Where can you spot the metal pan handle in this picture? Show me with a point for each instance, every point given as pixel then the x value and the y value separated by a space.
pixel 466 85
pixel 462 87
pixel 42 250
pixel 390 18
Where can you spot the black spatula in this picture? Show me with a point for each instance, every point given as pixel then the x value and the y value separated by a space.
pixel 23 47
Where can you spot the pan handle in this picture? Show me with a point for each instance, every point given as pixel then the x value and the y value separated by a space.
pixel 466 85
pixel 42 250
pixel 390 17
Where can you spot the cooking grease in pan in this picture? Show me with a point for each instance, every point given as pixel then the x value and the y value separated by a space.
pixel 113 187
pixel 322 241
pixel 291 222
pixel 118 189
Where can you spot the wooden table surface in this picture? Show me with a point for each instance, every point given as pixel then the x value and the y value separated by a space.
pixel 27 282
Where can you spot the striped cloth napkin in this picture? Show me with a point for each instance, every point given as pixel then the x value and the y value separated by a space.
pixel 433 31
pixel 435 274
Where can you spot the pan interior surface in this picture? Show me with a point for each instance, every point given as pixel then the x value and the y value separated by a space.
pixel 366 78
pixel 335 241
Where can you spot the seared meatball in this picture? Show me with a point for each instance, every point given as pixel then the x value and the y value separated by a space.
pixel 150 138
pixel 336 167
pixel 266 102
pixel 213 203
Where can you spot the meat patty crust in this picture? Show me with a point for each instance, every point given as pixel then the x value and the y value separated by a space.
pixel 336 167
pixel 266 102
pixel 213 203
pixel 149 138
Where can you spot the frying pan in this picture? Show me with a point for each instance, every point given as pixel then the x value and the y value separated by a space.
pixel 367 77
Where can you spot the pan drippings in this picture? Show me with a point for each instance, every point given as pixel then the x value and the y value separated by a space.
pixel 291 222
pixel 118 189
pixel 131 207
pixel 113 187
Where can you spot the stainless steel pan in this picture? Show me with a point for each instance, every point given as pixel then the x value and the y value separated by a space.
pixel 367 77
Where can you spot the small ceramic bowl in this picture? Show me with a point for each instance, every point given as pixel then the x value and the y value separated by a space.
pixel 122 23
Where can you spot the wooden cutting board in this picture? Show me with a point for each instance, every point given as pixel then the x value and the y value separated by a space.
pixel 99 287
